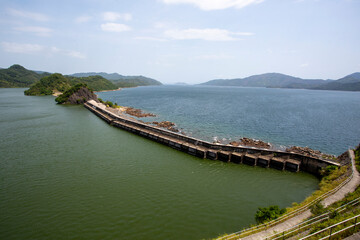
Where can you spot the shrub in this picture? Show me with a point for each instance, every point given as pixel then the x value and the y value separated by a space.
pixel 110 104
pixel 317 208
pixel 268 213
pixel 328 170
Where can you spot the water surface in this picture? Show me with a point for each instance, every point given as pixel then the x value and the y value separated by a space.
pixel 66 174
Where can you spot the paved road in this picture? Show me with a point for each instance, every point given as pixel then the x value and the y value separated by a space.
pixel 340 194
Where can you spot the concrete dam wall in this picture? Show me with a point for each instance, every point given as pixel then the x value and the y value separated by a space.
pixel 237 154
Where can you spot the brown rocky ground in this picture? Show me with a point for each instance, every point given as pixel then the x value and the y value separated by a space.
pixel 251 143
pixel 310 152
pixel 138 112
pixel 166 124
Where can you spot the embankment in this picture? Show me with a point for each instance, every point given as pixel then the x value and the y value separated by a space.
pixel 237 154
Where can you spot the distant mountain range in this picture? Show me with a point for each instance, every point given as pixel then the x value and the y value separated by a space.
pixel 18 76
pixel 278 80
pixel 120 80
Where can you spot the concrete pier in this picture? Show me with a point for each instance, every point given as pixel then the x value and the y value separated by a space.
pixel 264 160
pixel 211 154
pixel 227 153
pixel 224 156
pixel 236 157
pixel 250 159
pixel 292 165
pixel 277 163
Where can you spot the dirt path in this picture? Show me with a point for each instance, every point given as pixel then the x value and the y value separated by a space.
pixel 349 187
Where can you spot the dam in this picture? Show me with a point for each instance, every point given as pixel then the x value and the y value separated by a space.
pixel 252 156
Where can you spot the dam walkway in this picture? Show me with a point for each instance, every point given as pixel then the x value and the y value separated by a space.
pixel 227 153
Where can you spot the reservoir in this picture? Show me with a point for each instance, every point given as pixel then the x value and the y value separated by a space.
pixel 65 173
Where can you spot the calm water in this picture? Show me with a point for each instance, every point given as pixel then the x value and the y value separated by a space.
pixel 324 120
pixel 66 174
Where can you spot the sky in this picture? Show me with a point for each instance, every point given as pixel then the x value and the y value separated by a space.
pixel 189 41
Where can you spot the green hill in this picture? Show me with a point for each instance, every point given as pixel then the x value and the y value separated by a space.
pixel 60 83
pixel 18 76
pixel 47 85
pixel 96 83
pixel 122 81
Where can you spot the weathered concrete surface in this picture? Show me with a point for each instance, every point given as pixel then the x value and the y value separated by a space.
pixel 340 194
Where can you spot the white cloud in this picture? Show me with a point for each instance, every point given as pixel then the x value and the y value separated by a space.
pixel 304 65
pixel 29 15
pixel 208 34
pixel 40 31
pixel 151 39
pixel 21 47
pixel 114 16
pixel 27 48
pixel 83 19
pixel 215 4
pixel 115 27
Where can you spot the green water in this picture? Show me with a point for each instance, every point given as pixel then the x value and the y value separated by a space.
pixel 66 174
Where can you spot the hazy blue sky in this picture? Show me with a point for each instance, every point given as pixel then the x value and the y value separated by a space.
pixel 183 40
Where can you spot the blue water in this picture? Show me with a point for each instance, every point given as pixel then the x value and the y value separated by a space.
pixel 325 120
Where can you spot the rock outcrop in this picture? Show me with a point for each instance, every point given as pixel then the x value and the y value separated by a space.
pixel 79 94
